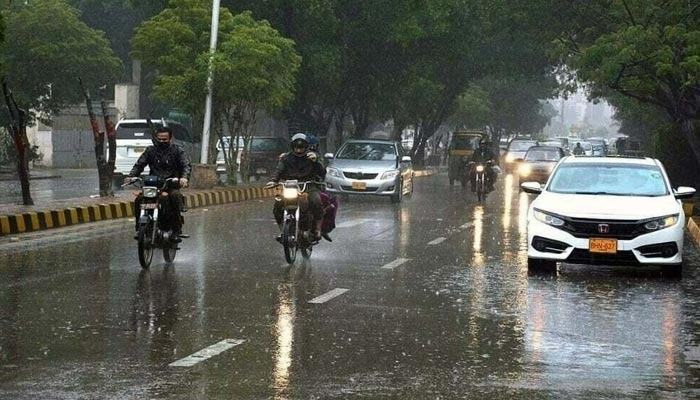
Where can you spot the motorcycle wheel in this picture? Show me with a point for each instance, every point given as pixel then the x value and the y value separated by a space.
pixel 289 241
pixel 170 252
pixel 145 244
pixel 480 190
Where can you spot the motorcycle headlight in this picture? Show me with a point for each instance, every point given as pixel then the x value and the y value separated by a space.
pixel 333 172
pixel 547 218
pixel 390 174
pixel 661 223
pixel 525 170
pixel 479 168
pixel 150 192
pixel 510 158
pixel 290 193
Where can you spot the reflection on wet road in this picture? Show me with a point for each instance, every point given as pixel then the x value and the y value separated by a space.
pixel 427 299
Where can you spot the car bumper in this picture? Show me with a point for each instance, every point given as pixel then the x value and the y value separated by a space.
pixel 663 247
pixel 375 186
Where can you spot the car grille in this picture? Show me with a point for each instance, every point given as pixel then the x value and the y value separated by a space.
pixel 583 256
pixel 587 228
pixel 359 175
pixel 368 190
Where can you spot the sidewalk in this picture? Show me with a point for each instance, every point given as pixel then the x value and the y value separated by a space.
pixel 16 219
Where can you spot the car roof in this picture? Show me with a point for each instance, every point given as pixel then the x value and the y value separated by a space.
pixel 554 148
pixel 610 160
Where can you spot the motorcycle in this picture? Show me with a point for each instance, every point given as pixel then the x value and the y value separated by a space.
pixel 153 232
pixel 481 183
pixel 297 220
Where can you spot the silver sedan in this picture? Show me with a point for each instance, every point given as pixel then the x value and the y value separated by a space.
pixel 375 167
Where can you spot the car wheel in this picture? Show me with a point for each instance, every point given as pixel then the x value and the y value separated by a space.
pixel 672 271
pixel 542 266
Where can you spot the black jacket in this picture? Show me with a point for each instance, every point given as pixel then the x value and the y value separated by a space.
pixel 171 162
pixel 299 168
pixel 483 154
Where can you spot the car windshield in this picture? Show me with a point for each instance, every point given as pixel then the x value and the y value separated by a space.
pixel 521 145
pixel 135 130
pixel 267 145
pixel 465 142
pixel 367 151
pixel 609 179
pixel 535 154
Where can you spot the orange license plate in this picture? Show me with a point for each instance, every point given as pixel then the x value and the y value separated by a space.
pixel 607 246
pixel 359 185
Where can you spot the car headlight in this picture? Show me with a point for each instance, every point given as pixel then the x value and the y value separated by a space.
pixel 390 174
pixel 525 170
pixel 661 223
pixel 547 218
pixel 510 158
pixel 333 172
pixel 150 192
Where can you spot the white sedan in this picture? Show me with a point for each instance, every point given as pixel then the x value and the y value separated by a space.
pixel 612 211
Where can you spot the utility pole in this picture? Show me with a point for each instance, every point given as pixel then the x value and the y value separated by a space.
pixel 206 129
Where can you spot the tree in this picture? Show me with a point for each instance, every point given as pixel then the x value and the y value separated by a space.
pixel 255 69
pixel 50 48
pixel 646 50
pixel 171 43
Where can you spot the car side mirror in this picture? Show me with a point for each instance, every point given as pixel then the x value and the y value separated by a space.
pixel 531 187
pixel 684 192
pixel 406 159
pixel 328 156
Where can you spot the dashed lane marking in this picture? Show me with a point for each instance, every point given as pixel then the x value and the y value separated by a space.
pixel 437 241
pixel 396 263
pixel 328 296
pixel 207 353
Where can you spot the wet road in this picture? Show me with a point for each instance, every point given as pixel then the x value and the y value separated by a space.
pixel 427 299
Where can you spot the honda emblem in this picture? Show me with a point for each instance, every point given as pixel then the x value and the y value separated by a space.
pixel 603 228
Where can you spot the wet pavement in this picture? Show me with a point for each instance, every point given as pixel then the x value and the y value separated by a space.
pixel 427 299
pixel 48 184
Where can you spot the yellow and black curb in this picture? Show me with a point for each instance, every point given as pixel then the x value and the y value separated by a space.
pixel 42 220
pixel 692 214
pixel 50 219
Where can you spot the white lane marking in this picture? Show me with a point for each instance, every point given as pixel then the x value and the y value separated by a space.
pixel 206 353
pixel 396 263
pixel 354 222
pixel 327 296
pixel 467 225
pixel 437 241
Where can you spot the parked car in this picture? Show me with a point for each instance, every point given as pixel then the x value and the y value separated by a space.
pixel 263 153
pixel 134 135
pixel 611 211
pixel 370 167
pixel 516 152
pixel 539 162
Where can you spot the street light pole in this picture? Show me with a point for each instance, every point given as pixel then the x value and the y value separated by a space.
pixel 206 129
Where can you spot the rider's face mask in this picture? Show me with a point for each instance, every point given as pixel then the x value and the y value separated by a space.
pixel 162 142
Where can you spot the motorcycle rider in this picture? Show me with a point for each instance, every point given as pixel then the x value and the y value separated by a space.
pixel 482 155
pixel 166 160
pixel 303 165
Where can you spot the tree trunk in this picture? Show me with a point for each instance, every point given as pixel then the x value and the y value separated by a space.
pixel 18 127
pixel 691 129
pixel 108 173
pixel 99 139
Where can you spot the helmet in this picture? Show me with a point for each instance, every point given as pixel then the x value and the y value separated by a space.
pixel 300 145
pixel 313 140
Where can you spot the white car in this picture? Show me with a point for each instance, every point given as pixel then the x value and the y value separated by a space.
pixel 606 210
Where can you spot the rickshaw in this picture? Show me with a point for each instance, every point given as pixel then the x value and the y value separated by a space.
pixel 460 151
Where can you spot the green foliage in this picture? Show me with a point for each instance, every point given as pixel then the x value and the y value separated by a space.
pixel 50 48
